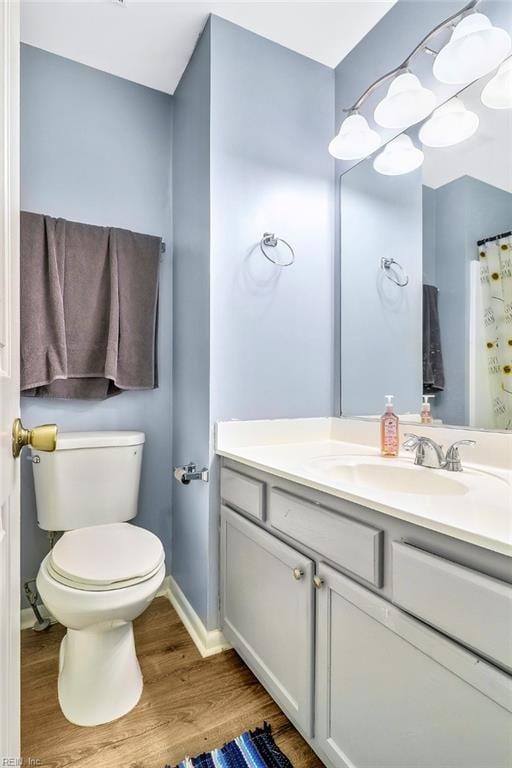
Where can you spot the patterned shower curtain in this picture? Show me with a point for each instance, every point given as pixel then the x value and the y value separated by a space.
pixel 496 281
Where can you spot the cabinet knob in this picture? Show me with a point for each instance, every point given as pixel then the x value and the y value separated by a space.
pixel 318 582
pixel 297 574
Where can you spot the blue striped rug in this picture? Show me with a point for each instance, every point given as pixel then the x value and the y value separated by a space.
pixel 253 749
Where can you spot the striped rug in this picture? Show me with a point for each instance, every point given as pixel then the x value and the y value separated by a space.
pixel 253 749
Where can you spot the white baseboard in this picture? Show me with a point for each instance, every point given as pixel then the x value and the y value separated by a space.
pixel 207 642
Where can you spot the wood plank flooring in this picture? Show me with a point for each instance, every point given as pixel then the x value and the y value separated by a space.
pixel 189 704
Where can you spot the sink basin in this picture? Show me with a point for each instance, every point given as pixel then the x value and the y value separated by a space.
pixel 392 475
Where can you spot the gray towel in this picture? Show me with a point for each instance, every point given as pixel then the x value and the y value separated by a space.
pixel 433 369
pixel 88 309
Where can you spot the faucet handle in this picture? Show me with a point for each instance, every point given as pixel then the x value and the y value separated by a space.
pixel 453 463
pixel 411 441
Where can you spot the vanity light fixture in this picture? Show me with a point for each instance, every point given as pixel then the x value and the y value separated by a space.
pixel 497 94
pixel 407 102
pixel 450 124
pixel 398 157
pixel 355 139
pixel 475 48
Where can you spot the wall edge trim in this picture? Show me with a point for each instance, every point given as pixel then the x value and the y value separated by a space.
pixel 207 642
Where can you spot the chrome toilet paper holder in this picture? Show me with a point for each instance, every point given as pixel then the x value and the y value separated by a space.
pixel 185 473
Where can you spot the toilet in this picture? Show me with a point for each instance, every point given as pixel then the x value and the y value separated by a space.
pixel 101 574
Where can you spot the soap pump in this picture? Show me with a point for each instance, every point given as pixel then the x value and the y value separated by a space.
pixel 389 438
pixel 426 413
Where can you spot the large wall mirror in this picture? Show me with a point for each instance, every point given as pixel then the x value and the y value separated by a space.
pixel 426 269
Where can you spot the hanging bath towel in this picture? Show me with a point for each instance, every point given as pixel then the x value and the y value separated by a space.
pixel 88 309
pixel 433 368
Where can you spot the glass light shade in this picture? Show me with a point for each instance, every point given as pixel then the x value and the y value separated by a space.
pixel 398 157
pixel 475 48
pixel 355 139
pixel 450 124
pixel 406 103
pixel 497 94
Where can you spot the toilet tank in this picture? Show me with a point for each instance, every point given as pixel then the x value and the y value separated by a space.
pixel 91 478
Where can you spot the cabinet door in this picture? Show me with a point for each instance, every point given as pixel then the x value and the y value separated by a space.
pixel 393 693
pixel 267 612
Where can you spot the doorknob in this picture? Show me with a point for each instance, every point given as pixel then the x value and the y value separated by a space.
pixel 43 438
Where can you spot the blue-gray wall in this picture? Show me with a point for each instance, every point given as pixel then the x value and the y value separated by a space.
pixel 429 235
pixel 381 216
pixel 270 338
pixel 96 148
pixel 465 210
pixel 272 116
pixel 191 309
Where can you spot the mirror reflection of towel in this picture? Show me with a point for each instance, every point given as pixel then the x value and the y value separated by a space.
pixel 88 309
pixel 433 369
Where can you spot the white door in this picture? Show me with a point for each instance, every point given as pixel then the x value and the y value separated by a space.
pixel 9 382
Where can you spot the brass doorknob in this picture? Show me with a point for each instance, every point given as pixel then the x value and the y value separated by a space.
pixel 43 438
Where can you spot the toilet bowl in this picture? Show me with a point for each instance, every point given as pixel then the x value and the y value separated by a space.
pixel 102 573
pixel 95 582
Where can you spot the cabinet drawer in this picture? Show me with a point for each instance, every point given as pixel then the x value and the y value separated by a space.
pixel 473 608
pixel 243 493
pixel 352 545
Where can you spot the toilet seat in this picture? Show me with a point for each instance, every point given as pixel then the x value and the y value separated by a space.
pixel 105 557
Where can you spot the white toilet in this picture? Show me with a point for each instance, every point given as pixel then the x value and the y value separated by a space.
pixel 101 574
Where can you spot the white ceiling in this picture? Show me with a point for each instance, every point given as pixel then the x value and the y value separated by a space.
pixel 151 42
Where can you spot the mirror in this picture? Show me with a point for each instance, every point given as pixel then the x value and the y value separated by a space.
pixel 426 272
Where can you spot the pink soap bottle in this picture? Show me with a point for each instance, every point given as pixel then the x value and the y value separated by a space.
pixel 389 437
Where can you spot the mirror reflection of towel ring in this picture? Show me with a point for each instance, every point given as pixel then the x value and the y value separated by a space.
pixel 394 271
pixel 269 240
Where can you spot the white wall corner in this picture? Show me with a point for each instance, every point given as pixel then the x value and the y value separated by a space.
pixel 207 642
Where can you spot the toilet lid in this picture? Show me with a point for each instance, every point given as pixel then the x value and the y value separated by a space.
pixel 106 556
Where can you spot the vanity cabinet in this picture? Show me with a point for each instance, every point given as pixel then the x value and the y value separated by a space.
pixel 393 693
pixel 267 607
pixel 346 623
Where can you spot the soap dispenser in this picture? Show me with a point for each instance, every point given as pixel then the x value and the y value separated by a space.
pixel 389 437
pixel 426 413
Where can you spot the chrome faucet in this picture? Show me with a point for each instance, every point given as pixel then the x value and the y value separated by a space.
pixel 430 454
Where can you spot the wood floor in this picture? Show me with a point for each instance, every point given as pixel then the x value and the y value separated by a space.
pixel 189 704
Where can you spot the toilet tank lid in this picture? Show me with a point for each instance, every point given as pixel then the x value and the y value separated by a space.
pixel 67 441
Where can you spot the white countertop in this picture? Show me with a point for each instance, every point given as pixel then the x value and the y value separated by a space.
pixel 482 515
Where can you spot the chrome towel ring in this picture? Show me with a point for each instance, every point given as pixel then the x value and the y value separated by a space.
pixel 394 271
pixel 269 240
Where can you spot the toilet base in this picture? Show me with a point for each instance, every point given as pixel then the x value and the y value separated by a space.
pixel 99 673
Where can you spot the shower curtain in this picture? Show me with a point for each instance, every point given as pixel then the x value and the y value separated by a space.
pixel 495 257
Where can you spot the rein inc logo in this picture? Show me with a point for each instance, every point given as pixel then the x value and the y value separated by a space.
pixel 20 762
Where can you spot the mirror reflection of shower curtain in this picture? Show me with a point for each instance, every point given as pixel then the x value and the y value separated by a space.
pixel 496 284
